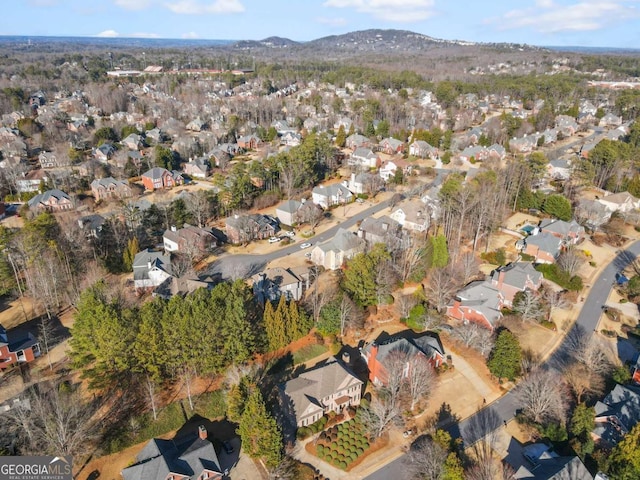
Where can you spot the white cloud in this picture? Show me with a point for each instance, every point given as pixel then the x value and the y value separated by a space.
pixel 586 15
pixel 133 4
pixel 190 35
pixel 108 34
pixel 196 7
pixel 332 21
pixel 391 10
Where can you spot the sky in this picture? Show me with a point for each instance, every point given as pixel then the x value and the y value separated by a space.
pixel 592 23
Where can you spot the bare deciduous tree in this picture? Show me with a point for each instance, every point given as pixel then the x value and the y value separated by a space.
pixel 586 349
pixel 404 303
pixel 570 261
pixel 199 206
pixel 481 433
pixel 57 424
pixel 380 414
pixel 426 460
pixel 528 305
pixel 440 287
pixel 421 379
pixel 542 396
pixel 474 336
pixel 583 381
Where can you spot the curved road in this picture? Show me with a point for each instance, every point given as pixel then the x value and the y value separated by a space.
pixel 245 265
pixel 503 410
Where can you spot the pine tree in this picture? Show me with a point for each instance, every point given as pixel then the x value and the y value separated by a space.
pixel 129 254
pixel 237 399
pixel 298 325
pixel 440 253
pixel 504 360
pixel 624 462
pixel 261 437
pixel 341 137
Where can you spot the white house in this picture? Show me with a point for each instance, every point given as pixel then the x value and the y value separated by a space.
pixel 335 194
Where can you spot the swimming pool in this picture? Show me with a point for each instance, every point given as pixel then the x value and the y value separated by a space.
pixel 528 229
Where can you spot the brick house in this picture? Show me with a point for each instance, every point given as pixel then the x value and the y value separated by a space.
pixel 378 353
pixel 249 142
pixel 570 233
pixel 478 302
pixel 544 247
pixel 245 228
pixel 104 188
pixel 515 277
pixel 326 388
pixel 189 238
pixel 177 459
pixel 391 146
pixel 159 177
pixel 17 348
pixel 51 201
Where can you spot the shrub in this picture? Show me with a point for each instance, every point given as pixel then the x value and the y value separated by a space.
pixel 554 273
pixel 343 465
pixel 497 257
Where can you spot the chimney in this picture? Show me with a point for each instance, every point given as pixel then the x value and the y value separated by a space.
pixel 202 432
pixel 346 358
pixel 173 228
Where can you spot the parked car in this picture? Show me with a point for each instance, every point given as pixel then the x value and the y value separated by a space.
pixel 360 200
pixel 289 233
pixel 274 239
pixel 305 245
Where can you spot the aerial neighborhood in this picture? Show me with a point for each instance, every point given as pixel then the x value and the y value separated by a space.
pixel 296 271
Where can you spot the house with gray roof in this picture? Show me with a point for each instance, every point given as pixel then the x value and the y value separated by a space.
pixel 133 141
pixel 333 253
pixel 538 461
pixel 570 233
pixel 104 188
pixel 422 149
pixel 622 202
pixel 326 388
pixel 287 210
pixel 478 302
pixel 272 283
pixel 592 213
pixel 197 167
pixel 190 459
pixel 245 228
pixel 391 146
pixel 51 201
pixel 150 268
pixel 159 177
pixel 379 353
pixel 329 195
pixel 364 158
pixel 515 277
pixel 616 414
pixel 356 141
pixel 381 230
pixel 413 215
pixel 544 247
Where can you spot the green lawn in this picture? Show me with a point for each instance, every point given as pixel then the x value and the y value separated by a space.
pixel 307 353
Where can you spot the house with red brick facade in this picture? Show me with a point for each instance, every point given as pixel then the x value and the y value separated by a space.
pixel 16 349
pixel 51 201
pixel 544 247
pixel 379 353
pixel 515 277
pixel 159 177
pixel 104 188
pixel 479 302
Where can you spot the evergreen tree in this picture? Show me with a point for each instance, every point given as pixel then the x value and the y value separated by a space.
pixel 298 322
pixel 558 206
pixel 261 437
pixel 624 461
pixel 129 254
pixel 239 337
pixel 504 360
pixel 341 137
pixel 237 398
pixel 453 469
pixel 440 252
pixel 274 325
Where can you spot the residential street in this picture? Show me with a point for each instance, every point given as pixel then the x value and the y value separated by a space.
pixel 503 410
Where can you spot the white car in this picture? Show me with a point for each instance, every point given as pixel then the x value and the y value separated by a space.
pixel 289 234
pixel 305 245
pixel 274 239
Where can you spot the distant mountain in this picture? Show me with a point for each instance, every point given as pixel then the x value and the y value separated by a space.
pixel 271 42
pixel 377 39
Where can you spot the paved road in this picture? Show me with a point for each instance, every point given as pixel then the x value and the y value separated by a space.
pixel 503 410
pixel 238 266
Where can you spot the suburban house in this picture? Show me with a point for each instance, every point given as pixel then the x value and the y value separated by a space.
pixel 104 152
pixel 17 348
pixel 190 239
pixel 51 201
pixel 91 225
pixel 478 302
pixel 622 202
pixel 189 459
pixel 571 232
pixel 133 141
pixel 422 149
pixel 249 142
pixel 559 169
pixel 544 247
pixel 287 212
pixel 413 215
pixel 538 461
pixel 364 158
pixel 379 353
pixel 51 160
pixel 104 188
pixel 356 141
pixel 182 286
pixel 391 146
pixel 390 167
pixel 610 120
pixel 381 230
pixel 364 182
pixel 326 388
pixel 159 177
pixel 31 181
pixel 566 125
pixel 616 414
pixel 515 277
pixel 197 168
pixel 329 195
pixel 333 253
pixel 150 268
pixel 245 228
pixel 592 213
pixel 272 283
